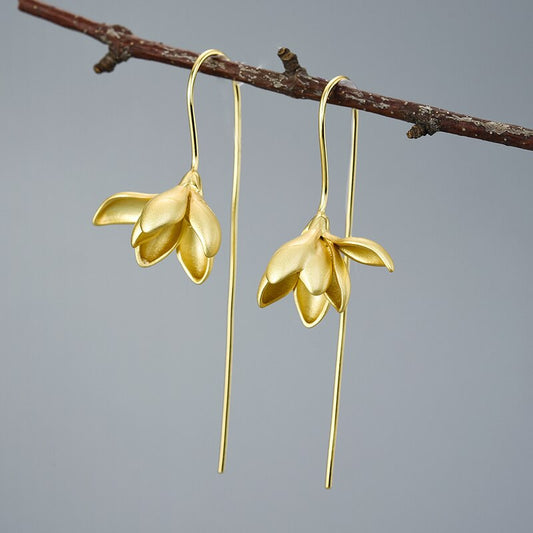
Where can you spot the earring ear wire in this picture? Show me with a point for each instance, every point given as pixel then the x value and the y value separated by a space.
pixel 233 233
pixel 180 220
pixel 314 266
pixel 341 336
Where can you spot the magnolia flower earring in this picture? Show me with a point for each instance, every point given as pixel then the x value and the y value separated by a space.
pixel 315 266
pixel 180 220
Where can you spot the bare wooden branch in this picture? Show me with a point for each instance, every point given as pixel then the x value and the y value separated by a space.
pixel 294 81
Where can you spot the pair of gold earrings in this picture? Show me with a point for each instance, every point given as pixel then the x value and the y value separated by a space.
pixel 314 266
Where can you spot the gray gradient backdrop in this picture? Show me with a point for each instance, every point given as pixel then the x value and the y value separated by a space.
pixel 111 375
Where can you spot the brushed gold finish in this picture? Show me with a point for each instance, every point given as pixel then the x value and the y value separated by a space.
pixel 179 220
pixel 121 208
pixel 315 265
pixel 162 223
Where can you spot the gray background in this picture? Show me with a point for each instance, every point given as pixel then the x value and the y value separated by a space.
pixel 111 375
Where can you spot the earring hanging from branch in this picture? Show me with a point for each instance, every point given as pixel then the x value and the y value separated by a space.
pixel 179 220
pixel 314 266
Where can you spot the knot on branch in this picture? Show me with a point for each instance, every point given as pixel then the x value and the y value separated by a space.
pixel 297 78
pixel 423 128
pixel 290 63
pixel 119 48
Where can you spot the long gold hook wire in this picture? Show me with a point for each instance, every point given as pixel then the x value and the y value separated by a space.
pixel 348 230
pixel 232 275
pixel 322 140
pixel 233 233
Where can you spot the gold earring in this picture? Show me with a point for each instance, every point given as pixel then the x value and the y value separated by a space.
pixel 313 267
pixel 180 220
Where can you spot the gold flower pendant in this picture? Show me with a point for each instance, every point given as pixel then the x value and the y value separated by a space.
pixel 175 220
pixel 313 267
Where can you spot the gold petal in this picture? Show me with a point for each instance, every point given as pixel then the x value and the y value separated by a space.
pixel 159 246
pixel 311 308
pixel 167 208
pixel 205 224
pixel 121 208
pixel 268 293
pixel 138 236
pixel 338 292
pixel 136 233
pixel 316 274
pixel 290 258
pixel 364 251
pixel 191 255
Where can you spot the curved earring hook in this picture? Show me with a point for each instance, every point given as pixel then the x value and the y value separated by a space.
pixel 190 101
pixel 179 220
pixel 347 231
pixel 314 265
pixel 233 232
pixel 323 148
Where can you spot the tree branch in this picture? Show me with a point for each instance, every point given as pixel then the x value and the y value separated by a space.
pixel 294 81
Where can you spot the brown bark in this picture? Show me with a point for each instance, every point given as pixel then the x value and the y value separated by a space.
pixel 294 81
